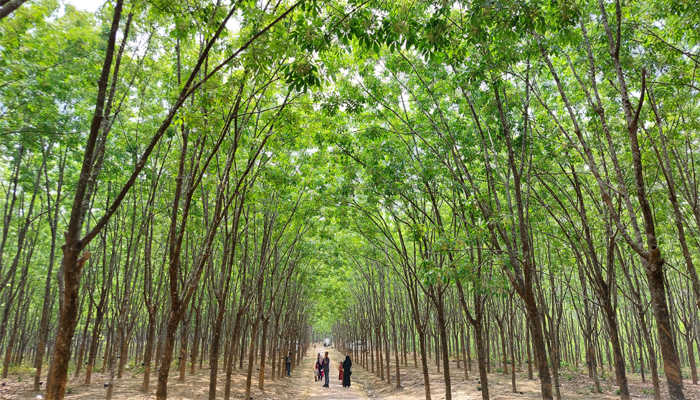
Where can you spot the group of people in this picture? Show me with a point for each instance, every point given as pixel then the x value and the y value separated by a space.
pixel 323 366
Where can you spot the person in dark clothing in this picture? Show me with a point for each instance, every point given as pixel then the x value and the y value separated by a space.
pixel 347 364
pixel 288 362
pixel 326 369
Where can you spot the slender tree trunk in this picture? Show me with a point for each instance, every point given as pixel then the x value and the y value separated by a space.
pixel 124 353
pixel 150 338
pixel 529 355
pixel 263 348
pixel 465 349
pixel 503 345
pixel 691 358
pixel 251 360
pixel 275 352
pixel 653 365
pixel 378 350
pixel 397 359
pixel 481 359
pixel 444 349
pixel 83 341
pixel 46 305
pixel 387 355
pixel 424 363
pixel 617 354
pixel 167 357
pixel 184 338
pixel 371 351
pixel 672 366
pixel 512 351
pixel 233 352
pixel 195 340
pixel 538 344
pixel 214 352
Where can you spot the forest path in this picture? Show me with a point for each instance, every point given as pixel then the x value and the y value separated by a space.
pixel 336 391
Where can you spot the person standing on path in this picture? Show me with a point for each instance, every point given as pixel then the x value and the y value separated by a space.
pixel 326 368
pixel 319 364
pixel 347 371
pixel 288 361
pixel 340 369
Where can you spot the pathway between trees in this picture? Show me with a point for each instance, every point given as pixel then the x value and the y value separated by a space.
pixel 315 391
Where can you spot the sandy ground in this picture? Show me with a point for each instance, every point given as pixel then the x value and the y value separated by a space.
pixel 573 385
pixel 335 391
pixel 195 387
pixel 365 385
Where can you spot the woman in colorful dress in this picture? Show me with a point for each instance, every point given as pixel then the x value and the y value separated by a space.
pixel 340 369
pixel 319 362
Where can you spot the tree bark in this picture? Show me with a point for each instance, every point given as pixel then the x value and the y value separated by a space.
pixel 251 359
pixel 148 353
pixel 263 349
pixel 73 261
pixel 46 306
pixel 444 349
pixel 10 7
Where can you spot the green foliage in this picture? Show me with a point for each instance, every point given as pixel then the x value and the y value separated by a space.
pixel 377 149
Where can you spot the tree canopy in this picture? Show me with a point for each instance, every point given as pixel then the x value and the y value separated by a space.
pixel 223 180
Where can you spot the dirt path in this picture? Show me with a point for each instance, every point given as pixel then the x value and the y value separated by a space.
pixel 300 385
pixel 336 391
pixel 575 384
pixel 365 385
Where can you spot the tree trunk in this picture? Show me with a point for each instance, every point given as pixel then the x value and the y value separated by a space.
pixel 691 358
pixel 275 351
pixel 124 352
pixel 465 349
pixel 195 340
pixel 251 359
pixel 444 348
pixel 148 353
pixel 512 350
pixel 184 338
pixel 672 366
pixel 9 7
pixel 395 338
pixel 619 361
pixel 232 355
pixel 424 363
pixel 263 349
pixel 387 355
pixel 529 353
pixel 481 359
pixel 167 357
pixel 46 305
pixel 538 344
pixel 83 340
pixel 73 261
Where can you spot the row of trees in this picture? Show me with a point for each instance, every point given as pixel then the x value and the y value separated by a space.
pixel 170 189
pixel 380 331
pixel 518 176
pixel 173 226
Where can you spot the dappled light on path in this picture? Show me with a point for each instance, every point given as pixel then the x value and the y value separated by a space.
pixel 315 391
